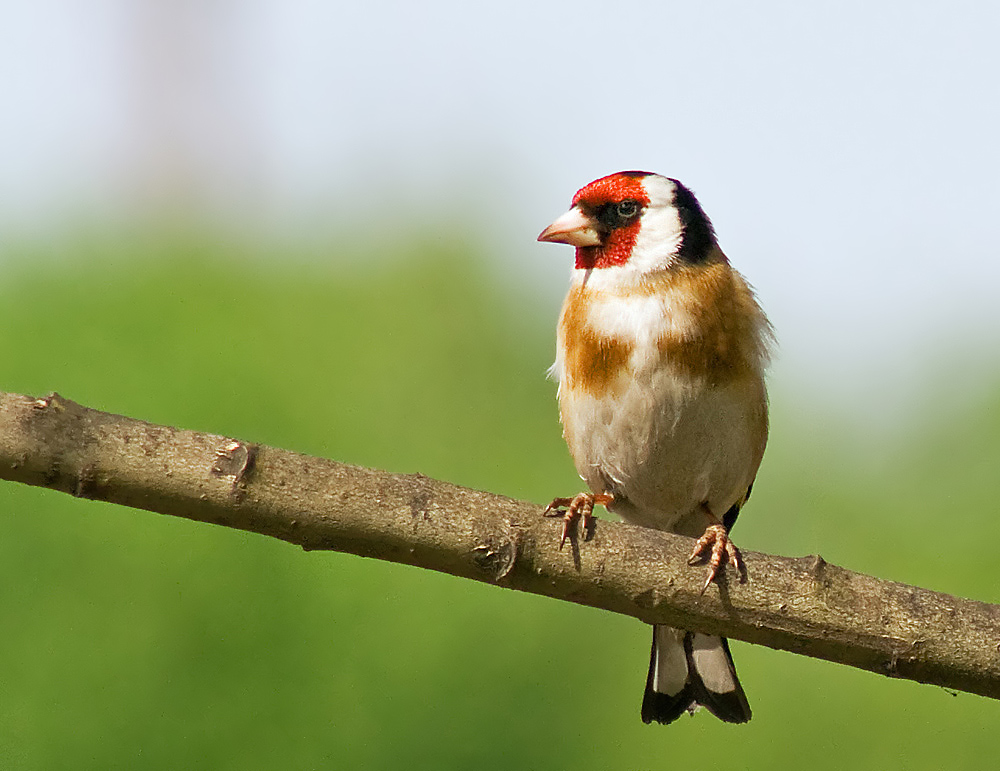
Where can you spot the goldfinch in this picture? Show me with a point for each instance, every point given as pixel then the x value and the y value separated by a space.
pixel 660 358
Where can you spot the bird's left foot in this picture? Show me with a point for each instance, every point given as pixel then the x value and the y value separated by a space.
pixel 716 547
pixel 580 506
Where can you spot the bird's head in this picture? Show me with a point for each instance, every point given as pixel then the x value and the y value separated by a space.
pixel 635 220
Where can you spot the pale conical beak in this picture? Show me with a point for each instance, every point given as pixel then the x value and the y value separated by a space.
pixel 574 228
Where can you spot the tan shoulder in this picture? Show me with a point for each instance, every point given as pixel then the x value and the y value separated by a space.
pixel 728 337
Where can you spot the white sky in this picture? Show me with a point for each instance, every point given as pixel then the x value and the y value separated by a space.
pixel 847 151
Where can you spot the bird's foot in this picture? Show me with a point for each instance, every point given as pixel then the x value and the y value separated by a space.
pixel 716 547
pixel 580 506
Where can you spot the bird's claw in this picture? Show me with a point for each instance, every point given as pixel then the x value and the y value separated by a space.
pixel 580 506
pixel 716 547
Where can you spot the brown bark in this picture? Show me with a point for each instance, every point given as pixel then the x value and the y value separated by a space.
pixel 804 605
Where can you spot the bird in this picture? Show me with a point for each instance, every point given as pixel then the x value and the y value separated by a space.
pixel 661 353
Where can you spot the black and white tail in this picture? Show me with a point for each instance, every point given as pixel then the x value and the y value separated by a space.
pixel 688 669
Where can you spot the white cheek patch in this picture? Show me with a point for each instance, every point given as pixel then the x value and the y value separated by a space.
pixel 659 238
pixel 661 232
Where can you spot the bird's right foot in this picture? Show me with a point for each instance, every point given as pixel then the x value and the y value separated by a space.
pixel 580 506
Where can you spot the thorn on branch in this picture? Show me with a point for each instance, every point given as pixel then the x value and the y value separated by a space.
pixel 46 401
pixel 235 459
pixel 499 560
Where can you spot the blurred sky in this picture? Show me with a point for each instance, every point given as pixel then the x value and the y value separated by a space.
pixel 846 151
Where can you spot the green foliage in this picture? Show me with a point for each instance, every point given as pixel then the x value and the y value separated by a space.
pixel 132 640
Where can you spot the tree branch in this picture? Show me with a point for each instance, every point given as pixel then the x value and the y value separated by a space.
pixel 803 605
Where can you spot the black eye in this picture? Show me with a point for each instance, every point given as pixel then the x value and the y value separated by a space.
pixel 617 215
pixel 627 209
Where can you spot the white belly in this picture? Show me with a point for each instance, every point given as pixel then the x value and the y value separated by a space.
pixel 664 448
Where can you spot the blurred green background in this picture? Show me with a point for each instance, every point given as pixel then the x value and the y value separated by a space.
pixel 133 640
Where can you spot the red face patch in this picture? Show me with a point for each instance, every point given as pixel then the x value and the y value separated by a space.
pixel 618 243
